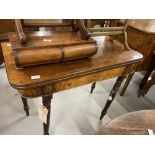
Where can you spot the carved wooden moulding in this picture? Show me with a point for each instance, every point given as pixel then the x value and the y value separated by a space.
pixel 42 47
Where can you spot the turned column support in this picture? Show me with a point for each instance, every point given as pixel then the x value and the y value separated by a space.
pixel 46 100
pixel 112 95
pixel 130 76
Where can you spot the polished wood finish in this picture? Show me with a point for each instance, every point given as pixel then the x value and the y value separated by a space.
pixel 20 31
pixel 8 25
pixel 80 25
pixel 149 78
pixel 134 123
pixel 145 25
pixel 108 57
pixel 111 60
pixel 50 48
pixel 141 37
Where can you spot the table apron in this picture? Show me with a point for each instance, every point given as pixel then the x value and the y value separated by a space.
pixel 76 82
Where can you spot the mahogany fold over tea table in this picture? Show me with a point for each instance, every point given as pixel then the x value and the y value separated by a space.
pixel 110 61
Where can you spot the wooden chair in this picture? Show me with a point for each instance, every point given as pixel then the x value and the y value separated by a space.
pixel 110 28
pixel 134 123
pixel 107 27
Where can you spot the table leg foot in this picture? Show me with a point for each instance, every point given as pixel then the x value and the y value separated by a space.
pixel 112 95
pixel 26 107
pixel 47 103
pixel 93 87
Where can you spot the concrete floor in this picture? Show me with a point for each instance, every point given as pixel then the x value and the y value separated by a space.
pixel 73 111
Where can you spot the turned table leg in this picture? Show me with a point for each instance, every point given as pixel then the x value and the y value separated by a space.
pixel 26 107
pixel 47 103
pixel 126 83
pixel 93 87
pixel 112 95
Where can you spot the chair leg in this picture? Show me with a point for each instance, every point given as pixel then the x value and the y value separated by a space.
pixel 126 84
pixel 26 107
pixel 93 87
pixel 47 103
pixel 112 95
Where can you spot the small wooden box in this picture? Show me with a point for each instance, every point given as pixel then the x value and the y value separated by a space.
pixel 49 47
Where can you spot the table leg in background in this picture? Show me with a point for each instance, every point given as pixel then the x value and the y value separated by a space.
pixel 112 95
pixel 26 107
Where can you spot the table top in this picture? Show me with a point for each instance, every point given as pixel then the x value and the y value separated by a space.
pixel 109 55
pixel 145 25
